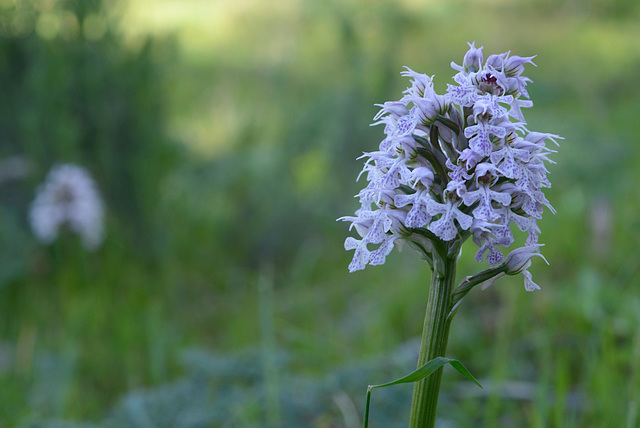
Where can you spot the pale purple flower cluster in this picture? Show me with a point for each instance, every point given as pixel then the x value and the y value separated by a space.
pixel 68 197
pixel 455 166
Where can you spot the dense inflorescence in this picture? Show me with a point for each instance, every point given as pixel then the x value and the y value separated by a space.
pixel 68 197
pixel 455 166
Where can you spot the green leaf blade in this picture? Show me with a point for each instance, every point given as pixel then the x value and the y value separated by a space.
pixel 464 372
pixel 419 374
pixel 426 370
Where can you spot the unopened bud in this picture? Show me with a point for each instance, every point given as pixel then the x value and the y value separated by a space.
pixel 520 259
pixel 514 65
pixel 496 61
pixel 472 59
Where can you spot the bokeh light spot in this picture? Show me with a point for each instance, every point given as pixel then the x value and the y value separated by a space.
pixel 94 27
pixel 48 26
pixel 70 25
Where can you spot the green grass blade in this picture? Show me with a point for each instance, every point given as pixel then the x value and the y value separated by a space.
pixel 366 407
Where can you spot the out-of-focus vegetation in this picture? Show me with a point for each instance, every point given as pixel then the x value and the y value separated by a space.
pixel 223 136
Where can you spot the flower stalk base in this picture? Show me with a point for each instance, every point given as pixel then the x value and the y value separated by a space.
pixel 435 335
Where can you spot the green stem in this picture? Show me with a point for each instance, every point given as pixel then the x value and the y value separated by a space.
pixel 435 335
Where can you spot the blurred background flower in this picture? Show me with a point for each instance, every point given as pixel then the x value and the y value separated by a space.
pixel 68 197
pixel 223 137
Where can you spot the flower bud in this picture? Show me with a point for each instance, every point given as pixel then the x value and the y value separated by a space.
pixel 496 61
pixel 520 259
pixel 514 66
pixel 472 59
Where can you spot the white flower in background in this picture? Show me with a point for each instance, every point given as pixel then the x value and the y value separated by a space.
pixel 68 197
pixel 456 166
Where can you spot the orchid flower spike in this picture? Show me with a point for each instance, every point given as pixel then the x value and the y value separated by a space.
pixel 456 166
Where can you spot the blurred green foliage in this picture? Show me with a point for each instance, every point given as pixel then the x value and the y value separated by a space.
pixel 223 136
pixel 72 93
